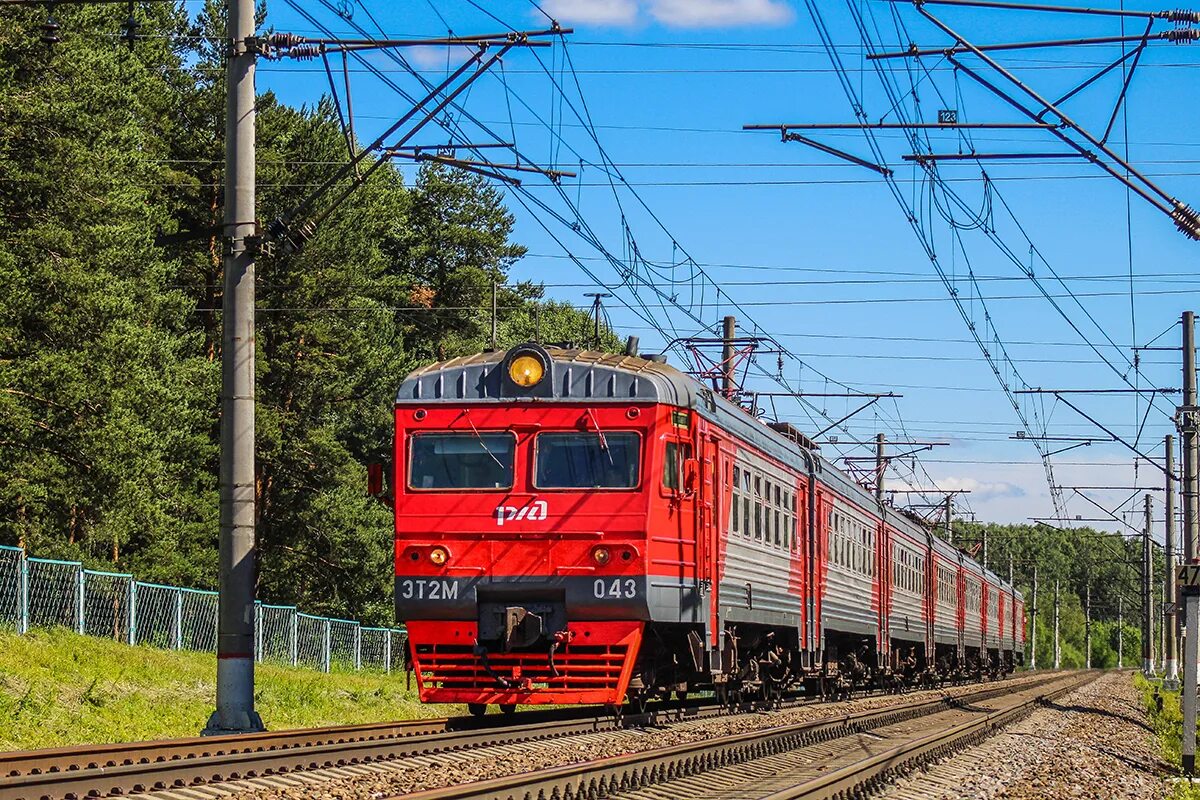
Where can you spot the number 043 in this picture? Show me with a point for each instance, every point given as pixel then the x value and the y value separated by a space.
pixel 620 588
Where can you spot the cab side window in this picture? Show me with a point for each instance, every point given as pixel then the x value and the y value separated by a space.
pixel 671 467
pixel 675 453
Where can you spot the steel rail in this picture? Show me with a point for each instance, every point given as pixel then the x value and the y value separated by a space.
pixel 98 770
pixel 121 768
pixel 608 776
pixel 140 766
pixel 151 766
pixel 853 779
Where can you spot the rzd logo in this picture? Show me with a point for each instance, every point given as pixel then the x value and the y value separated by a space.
pixel 533 512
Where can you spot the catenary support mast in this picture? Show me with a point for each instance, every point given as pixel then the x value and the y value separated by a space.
pixel 1187 420
pixel 1057 649
pixel 1033 610
pixel 1147 595
pixel 728 334
pixel 1170 607
pixel 235 626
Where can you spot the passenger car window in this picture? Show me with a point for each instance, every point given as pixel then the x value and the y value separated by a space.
pixel 587 460
pixel 461 461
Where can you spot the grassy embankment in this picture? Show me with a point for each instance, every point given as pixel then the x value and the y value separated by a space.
pixel 58 688
pixel 1167 722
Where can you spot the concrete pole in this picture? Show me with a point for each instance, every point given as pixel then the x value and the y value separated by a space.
pixel 235 626
pixel 1191 538
pixel 880 466
pixel 1171 618
pixel 1087 627
pixel 1160 620
pixel 1191 447
pixel 950 518
pixel 1191 654
pixel 1057 649
pixel 728 334
pixel 1147 583
pixel 1033 623
pixel 1120 633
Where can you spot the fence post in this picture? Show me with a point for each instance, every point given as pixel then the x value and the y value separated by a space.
pixel 295 637
pixel 328 640
pixel 387 652
pixel 132 610
pixel 258 615
pixel 80 623
pixel 358 646
pixel 179 619
pixel 23 581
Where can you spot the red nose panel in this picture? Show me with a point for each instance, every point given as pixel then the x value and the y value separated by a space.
pixel 594 667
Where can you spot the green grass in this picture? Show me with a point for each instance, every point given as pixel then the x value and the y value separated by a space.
pixel 1167 723
pixel 59 688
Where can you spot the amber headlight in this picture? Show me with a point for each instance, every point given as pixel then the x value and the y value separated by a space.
pixel 601 555
pixel 526 371
pixel 438 556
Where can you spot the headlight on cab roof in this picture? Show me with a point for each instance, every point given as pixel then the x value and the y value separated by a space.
pixel 526 371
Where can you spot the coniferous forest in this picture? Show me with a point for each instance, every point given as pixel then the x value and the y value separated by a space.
pixel 111 163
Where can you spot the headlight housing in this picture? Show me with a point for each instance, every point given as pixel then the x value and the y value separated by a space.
pixel 526 370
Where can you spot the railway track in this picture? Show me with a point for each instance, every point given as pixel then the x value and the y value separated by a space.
pixel 186 764
pixel 823 759
pixel 116 769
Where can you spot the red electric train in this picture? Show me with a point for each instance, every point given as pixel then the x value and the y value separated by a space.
pixel 581 527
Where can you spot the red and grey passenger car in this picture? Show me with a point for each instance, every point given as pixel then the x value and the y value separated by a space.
pixel 581 527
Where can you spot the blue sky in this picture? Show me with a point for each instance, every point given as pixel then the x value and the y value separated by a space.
pixel 651 95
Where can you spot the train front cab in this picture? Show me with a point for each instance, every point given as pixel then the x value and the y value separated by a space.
pixel 521 528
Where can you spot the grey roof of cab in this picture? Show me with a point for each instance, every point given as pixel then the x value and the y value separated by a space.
pixel 574 374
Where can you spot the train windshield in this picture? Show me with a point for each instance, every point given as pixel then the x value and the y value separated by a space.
pixel 587 460
pixel 461 461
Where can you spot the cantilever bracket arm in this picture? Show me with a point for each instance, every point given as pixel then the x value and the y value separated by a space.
pixel 1114 436
pixel 487 168
pixel 1186 219
pixel 788 135
pixel 856 411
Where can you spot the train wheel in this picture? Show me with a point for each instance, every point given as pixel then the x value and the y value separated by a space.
pixel 508 708
pixel 477 709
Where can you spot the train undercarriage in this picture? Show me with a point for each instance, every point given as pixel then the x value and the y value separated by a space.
pixel 759 664
pixel 756 666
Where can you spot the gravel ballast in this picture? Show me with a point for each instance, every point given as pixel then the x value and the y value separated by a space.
pixel 1092 743
pixel 411 774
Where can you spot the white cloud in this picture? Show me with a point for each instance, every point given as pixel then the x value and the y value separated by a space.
pixel 673 13
pixel 434 57
pixel 596 12
pixel 719 13
pixel 981 491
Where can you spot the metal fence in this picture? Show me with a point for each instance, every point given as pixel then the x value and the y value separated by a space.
pixel 45 593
